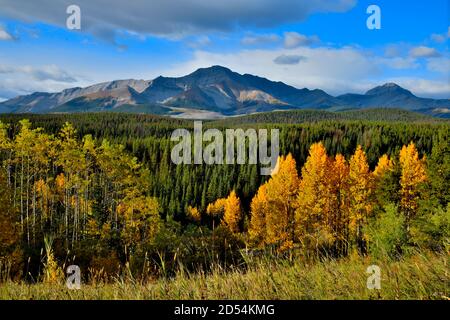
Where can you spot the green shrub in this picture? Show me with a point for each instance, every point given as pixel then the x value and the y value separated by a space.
pixel 432 230
pixel 386 234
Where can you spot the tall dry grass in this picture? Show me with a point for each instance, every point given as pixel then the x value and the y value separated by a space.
pixel 420 276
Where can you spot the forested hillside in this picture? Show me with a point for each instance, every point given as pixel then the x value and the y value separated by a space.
pixel 103 192
pixel 299 116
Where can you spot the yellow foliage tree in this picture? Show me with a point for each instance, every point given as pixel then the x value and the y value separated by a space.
pixel 5 142
pixel 384 166
pixel 258 209
pixel 338 215
pixel 281 192
pixel 360 195
pixel 315 199
pixel 140 219
pixel 228 210
pixel 232 212
pixel 413 174
pixel 217 208
pixel 194 214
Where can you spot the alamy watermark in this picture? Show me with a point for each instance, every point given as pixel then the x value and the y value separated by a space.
pixel 73 21
pixel 192 151
pixel 73 281
pixel 374 280
pixel 373 22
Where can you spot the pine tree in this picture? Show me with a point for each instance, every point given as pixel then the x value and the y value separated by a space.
pixel 439 169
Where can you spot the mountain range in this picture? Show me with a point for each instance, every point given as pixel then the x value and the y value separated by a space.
pixel 214 92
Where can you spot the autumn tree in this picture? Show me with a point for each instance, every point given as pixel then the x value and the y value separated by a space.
pixel 413 175
pixel 10 246
pixel 258 210
pixel 281 192
pixel 193 214
pixel 360 196
pixel 386 179
pixel 233 212
pixel 5 142
pixel 338 217
pixel 384 165
pixel 315 199
pixel 228 210
pixel 32 157
pixel 72 159
pixel 139 221
pixel 217 208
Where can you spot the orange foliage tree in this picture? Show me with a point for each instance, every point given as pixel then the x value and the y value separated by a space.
pixel 258 209
pixel 338 218
pixel 360 195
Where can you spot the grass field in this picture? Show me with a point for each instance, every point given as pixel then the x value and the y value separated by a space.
pixel 421 276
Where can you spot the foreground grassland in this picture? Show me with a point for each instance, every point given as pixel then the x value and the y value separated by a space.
pixel 421 276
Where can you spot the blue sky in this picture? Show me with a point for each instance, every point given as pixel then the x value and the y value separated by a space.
pixel 316 44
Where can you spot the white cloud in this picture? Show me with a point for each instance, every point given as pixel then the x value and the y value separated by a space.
pixel 20 84
pixel 50 72
pixel 200 41
pixel 19 80
pixel 288 59
pixel 335 70
pixel 5 35
pixel 424 52
pixel 424 87
pixel 439 38
pixel 399 63
pixel 262 39
pixel 291 40
pixel 440 65
pixel 392 51
pixel 294 40
pixel 171 18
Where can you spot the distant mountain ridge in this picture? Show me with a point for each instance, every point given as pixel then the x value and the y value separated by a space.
pixel 214 92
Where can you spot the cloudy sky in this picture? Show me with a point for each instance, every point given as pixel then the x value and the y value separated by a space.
pixel 305 43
